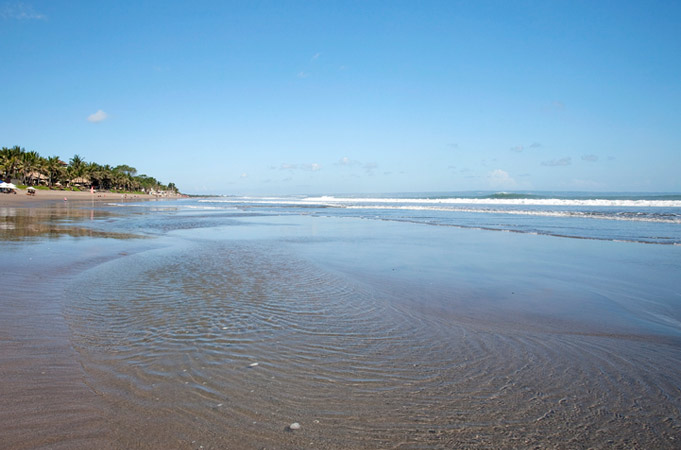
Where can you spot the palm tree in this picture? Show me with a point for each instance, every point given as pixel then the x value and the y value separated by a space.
pixel 4 161
pixel 77 165
pixel 118 179
pixel 53 167
pixel 95 173
pixel 29 163
pixel 11 161
pixel 105 172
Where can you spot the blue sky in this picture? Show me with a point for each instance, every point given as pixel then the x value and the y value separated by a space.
pixel 279 97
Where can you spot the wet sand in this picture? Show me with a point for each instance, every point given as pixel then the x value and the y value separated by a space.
pixel 368 334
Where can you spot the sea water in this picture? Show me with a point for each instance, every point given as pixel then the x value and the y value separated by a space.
pixel 636 217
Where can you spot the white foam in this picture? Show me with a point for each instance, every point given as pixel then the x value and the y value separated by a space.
pixel 349 201
pixel 500 201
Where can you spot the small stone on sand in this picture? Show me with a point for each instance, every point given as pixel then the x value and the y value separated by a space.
pixel 252 364
pixel 294 426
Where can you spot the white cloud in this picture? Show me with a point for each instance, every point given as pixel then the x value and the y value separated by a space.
pixel 590 158
pixel 557 162
pixel 303 74
pixel 345 161
pixel 20 11
pixel 312 167
pixel 500 179
pixel 243 175
pixel 316 55
pixel 517 148
pixel 97 117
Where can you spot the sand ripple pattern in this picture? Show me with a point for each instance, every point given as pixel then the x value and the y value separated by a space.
pixel 169 339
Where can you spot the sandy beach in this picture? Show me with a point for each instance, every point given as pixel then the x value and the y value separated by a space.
pixel 41 197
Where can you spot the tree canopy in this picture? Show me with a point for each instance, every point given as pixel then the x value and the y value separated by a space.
pixel 32 169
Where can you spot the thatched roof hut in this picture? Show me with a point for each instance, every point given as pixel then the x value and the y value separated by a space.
pixel 37 176
pixel 79 180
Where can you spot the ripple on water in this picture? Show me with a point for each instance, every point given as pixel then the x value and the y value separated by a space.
pixel 170 337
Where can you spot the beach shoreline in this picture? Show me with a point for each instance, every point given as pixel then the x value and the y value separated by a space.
pixel 42 197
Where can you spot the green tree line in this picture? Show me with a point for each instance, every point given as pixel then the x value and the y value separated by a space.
pixel 32 169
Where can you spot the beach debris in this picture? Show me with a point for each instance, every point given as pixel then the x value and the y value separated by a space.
pixel 253 364
pixel 294 426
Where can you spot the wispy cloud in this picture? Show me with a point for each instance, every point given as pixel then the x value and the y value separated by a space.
pixel 590 158
pixel 316 56
pixel 347 162
pixel 20 11
pixel 500 179
pixel 286 166
pixel 97 117
pixel 243 175
pixel 557 105
pixel 313 167
pixel 557 162
pixel 520 148
pixel 302 74
pixel 370 167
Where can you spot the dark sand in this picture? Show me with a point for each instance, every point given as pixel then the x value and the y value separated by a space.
pixel 44 401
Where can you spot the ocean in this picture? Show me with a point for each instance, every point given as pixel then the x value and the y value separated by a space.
pixel 438 320
pixel 634 217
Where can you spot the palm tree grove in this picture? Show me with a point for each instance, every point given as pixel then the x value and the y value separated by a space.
pixel 30 169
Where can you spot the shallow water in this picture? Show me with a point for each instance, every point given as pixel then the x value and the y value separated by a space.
pixel 373 334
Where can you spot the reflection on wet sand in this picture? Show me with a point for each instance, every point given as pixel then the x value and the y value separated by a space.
pixel 53 221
